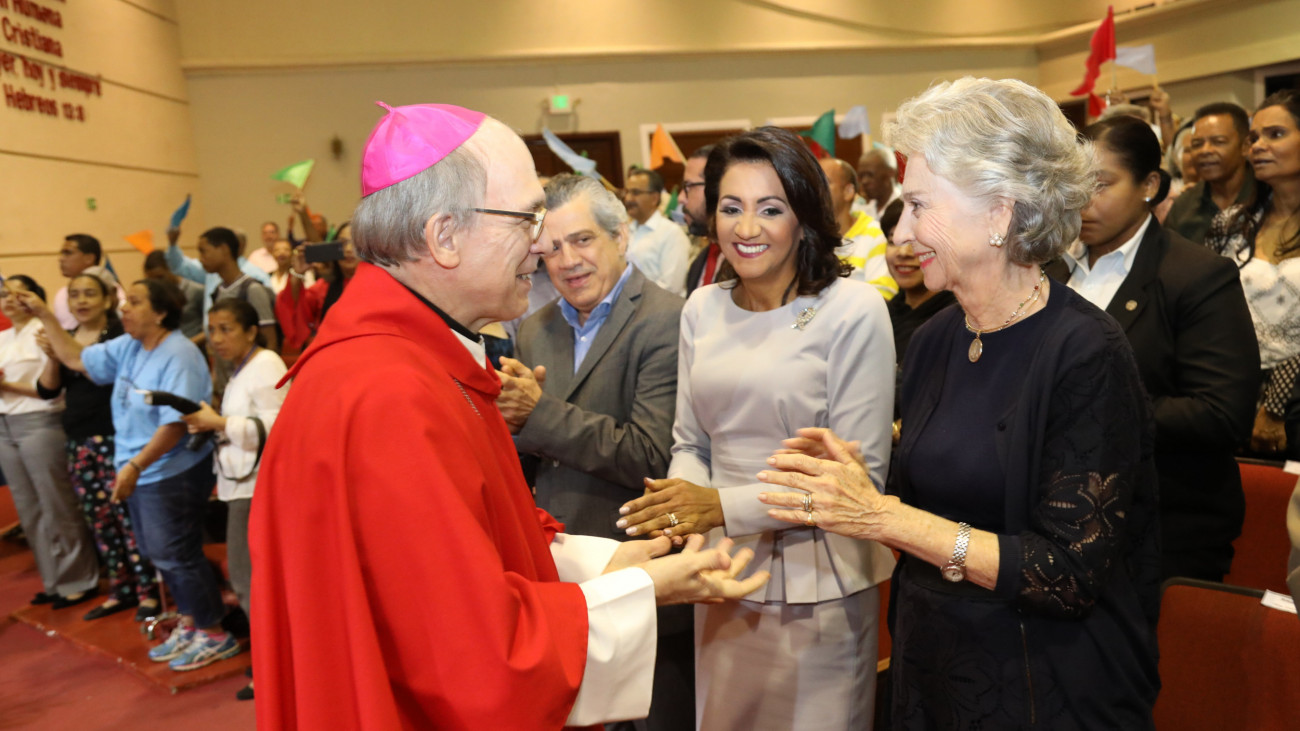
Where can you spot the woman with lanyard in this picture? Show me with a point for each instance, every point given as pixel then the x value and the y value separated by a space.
pixel 88 422
pixel 165 480
pixel 31 455
pixel 248 409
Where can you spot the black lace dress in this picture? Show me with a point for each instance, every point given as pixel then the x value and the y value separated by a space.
pixel 1047 442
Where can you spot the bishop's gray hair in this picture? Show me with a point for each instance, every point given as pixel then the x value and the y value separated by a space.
pixel 1004 139
pixel 388 225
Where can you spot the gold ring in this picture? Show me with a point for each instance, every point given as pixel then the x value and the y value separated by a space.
pixel 809 520
pixel 807 503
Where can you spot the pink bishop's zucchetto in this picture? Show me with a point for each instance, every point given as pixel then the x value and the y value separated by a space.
pixel 412 139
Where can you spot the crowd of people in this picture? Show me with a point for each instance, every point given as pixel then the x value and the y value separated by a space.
pixel 1013 380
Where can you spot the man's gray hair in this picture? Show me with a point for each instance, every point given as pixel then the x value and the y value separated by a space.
pixel 608 211
pixel 388 225
pixel 1005 139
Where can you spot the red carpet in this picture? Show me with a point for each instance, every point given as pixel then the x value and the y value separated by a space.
pixel 59 672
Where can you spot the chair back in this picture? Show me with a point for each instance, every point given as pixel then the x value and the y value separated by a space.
pixel 1226 661
pixel 1260 553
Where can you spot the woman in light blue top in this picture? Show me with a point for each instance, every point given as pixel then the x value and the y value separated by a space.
pixel 165 479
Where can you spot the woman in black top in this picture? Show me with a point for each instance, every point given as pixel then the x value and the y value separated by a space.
pixel 1022 493
pixel 88 421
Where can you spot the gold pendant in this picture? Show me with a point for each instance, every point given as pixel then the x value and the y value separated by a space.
pixel 976 349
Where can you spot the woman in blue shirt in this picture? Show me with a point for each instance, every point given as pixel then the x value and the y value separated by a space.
pixel 165 482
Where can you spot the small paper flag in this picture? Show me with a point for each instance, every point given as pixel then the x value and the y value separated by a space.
pixel 295 174
pixel 580 164
pixel 1141 59
pixel 855 123
pixel 822 135
pixel 1101 49
pixel 143 240
pixel 180 214
pixel 663 148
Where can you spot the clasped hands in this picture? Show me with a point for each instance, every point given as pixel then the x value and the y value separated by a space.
pixel 692 576
pixel 825 470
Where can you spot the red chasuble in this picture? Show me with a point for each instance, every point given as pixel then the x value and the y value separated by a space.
pixel 401 575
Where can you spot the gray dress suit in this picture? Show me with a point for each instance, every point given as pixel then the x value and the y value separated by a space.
pixel 598 431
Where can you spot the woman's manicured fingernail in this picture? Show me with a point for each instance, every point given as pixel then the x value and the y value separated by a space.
pixel 621 524
pixel 668 531
pixel 623 511
pixel 772 459
pixel 631 531
pixel 762 476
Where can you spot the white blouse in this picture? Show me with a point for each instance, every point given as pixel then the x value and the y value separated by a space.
pixel 1273 293
pixel 746 381
pixel 23 361
pixel 250 392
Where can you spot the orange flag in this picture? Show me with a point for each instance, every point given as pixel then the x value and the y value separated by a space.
pixel 663 148
pixel 142 240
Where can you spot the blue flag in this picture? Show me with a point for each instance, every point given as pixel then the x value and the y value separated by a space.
pixel 181 213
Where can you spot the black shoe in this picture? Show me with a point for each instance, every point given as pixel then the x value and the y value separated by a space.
pixel 248 671
pixel 64 602
pixel 146 613
pixel 103 610
pixel 245 693
pixel 43 598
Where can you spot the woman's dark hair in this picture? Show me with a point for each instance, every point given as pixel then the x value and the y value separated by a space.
pixel 1245 220
pixel 245 315
pixel 166 298
pixel 108 292
pixel 30 284
pixel 1135 145
pixel 889 219
pixel 805 186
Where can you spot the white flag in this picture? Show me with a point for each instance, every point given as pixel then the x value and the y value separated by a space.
pixel 1139 58
pixel 855 123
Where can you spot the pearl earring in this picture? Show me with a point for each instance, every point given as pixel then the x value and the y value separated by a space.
pixel 997 240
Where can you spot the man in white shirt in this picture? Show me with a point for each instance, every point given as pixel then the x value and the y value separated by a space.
pixel 79 254
pixel 264 257
pixel 658 247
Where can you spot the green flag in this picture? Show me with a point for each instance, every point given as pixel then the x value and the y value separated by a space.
pixel 672 204
pixel 296 174
pixel 822 135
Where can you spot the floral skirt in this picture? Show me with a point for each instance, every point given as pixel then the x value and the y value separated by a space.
pixel 90 467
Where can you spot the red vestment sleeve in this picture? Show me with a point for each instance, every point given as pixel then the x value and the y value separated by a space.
pixel 402 579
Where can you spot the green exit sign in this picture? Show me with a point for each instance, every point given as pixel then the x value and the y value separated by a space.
pixel 561 104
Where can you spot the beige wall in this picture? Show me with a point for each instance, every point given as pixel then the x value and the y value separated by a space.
pixel 248 124
pixel 134 154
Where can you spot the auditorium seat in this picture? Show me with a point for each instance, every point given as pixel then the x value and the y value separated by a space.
pixel 1260 553
pixel 1226 661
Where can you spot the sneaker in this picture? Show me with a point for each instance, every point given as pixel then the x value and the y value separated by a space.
pixel 174 646
pixel 205 650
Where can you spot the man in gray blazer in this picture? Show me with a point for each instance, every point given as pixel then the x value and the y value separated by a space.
pixel 593 395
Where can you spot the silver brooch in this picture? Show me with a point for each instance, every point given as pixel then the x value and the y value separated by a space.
pixel 804 318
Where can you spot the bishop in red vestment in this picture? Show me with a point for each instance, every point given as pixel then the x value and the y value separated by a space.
pixel 402 577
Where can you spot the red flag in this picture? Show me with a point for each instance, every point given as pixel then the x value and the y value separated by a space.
pixel 1096 105
pixel 1103 50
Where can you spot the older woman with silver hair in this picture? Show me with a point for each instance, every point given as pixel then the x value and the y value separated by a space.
pixel 1023 496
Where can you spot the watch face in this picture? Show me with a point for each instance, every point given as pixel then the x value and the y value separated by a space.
pixel 953 574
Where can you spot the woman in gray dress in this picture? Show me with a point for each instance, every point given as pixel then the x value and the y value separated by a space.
pixel 782 340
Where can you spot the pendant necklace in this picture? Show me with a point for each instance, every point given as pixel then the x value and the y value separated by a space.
pixel 976 346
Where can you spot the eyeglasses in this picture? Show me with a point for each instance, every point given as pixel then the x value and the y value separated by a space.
pixel 537 217
pixel 687 186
